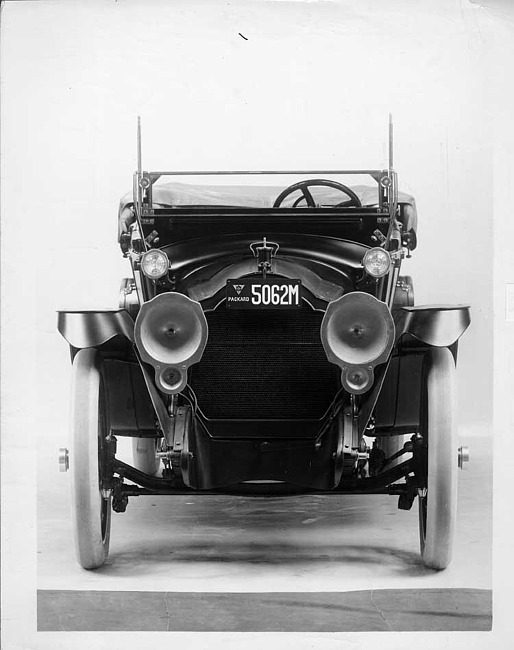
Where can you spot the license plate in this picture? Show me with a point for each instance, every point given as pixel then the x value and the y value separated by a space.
pixel 264 293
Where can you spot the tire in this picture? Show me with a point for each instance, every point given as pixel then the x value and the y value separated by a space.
pixel 91 511
pixel 438 508
pixel 143 454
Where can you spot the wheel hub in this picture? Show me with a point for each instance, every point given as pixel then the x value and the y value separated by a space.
pixel 64 459
pixel 463 456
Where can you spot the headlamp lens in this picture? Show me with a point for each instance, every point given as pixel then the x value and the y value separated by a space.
pixel 358 380
pixel 155 264
pixel 376 262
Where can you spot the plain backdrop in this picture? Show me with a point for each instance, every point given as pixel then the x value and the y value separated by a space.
pixel 309 86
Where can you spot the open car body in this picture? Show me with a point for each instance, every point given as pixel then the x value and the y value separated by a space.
pixel 267 343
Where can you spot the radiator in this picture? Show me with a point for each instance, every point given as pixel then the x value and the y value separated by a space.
pixel 264 365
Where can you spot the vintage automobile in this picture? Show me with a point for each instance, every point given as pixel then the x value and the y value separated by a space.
pixel 265 344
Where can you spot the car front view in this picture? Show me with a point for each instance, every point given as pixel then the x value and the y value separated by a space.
pixel 265 343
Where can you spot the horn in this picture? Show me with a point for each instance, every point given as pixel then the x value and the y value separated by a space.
pixel 357 333
pixel 171 333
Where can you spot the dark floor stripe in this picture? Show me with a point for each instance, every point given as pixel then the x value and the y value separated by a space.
pixel 352 611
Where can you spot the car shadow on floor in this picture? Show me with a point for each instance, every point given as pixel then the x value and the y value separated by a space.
pixel 136 561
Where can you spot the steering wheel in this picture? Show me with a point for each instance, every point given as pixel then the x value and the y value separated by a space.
pixel 303 186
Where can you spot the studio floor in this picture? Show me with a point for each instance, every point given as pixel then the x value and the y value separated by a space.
pixel 251 564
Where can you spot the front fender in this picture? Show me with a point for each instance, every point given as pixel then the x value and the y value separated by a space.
pixel 89 329
pixel 436 325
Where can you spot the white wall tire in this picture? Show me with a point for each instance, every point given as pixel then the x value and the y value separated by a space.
pixel 143 454
pixel 438 509
pixel 91 511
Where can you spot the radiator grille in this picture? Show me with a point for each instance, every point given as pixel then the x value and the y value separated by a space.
pixel 264 365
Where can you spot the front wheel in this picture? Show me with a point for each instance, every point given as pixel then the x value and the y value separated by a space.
pixel 438 503
pixel 89 460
